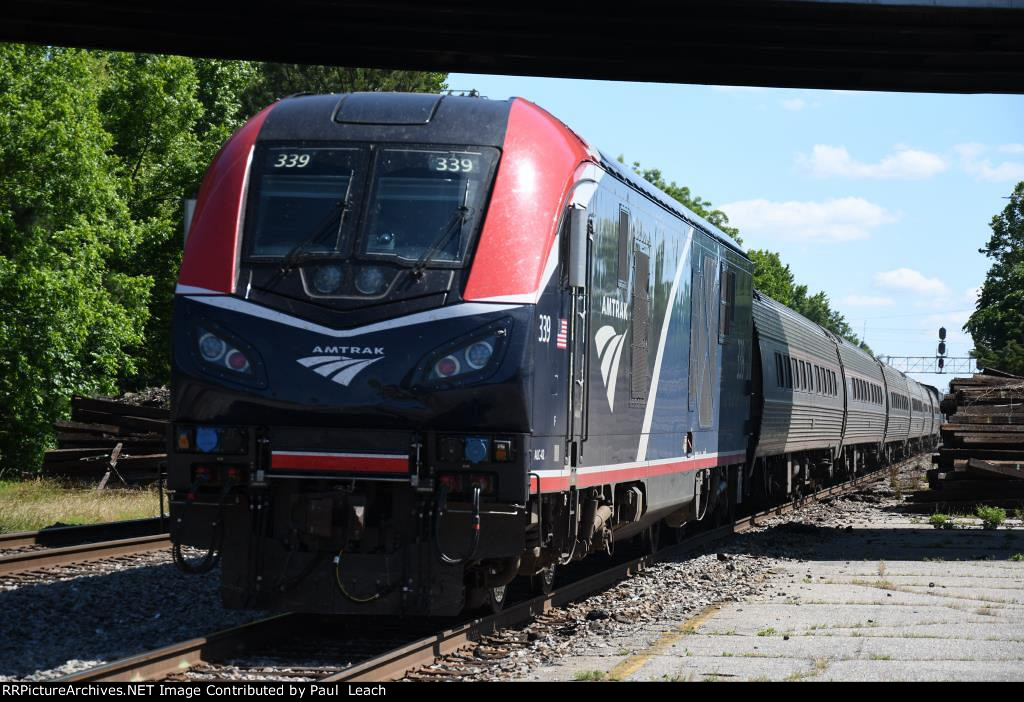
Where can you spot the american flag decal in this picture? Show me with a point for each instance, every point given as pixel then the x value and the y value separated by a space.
pixel 562 340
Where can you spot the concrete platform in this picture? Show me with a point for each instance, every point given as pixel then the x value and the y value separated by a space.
pixel 889 599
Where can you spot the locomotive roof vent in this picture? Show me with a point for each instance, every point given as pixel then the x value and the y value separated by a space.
pixel 387 108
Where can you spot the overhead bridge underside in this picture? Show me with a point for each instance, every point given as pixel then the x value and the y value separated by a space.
pixel 905 45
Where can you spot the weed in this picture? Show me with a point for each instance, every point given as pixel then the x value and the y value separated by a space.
pixel 589 676
pixel 942 521
pixel 881 569
pixel 991 517
pixel 879 657
pixel 1017 557
pixel 766 632
pixel 820 664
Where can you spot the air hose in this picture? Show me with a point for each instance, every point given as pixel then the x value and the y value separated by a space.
pixel 212 556
pixel 442 509
pixel 341 586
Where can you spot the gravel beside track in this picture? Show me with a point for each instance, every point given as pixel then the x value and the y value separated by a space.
pixel 74 617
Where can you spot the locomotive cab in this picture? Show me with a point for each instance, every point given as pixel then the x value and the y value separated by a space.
pixel 350 400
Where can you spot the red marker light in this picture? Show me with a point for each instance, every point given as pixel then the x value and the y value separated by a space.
pixel 450 481
pixel 236 361
pixel 447 366
pixel 486 483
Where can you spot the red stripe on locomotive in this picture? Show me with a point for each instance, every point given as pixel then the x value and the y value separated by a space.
pixel 538 160
pixel 339 462
pixel 211 250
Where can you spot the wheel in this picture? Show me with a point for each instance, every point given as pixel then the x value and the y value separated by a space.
pixel 543 582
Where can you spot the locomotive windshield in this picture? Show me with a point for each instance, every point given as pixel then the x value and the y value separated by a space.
pixel 421 204
pixel 300 199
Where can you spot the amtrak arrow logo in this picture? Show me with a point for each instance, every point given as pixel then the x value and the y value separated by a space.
pixel 609 352
pixel 340 369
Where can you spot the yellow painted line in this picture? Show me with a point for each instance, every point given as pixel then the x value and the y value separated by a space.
pixel 637 661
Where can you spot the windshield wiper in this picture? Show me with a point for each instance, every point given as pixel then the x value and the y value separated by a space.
pixel 295 255
pixel 454 224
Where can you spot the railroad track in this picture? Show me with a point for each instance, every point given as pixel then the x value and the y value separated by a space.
pixel 400 654
pixel 74 544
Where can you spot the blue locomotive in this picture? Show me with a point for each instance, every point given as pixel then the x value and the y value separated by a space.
pixel 426 344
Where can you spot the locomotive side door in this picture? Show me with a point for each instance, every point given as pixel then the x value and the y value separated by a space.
pixel 581 231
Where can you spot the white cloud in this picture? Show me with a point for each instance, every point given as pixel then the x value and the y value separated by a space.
pixel 867 301
pixel 794 104
pixel 909 279
pixel 826 160
pixel 840 219
pixel 972 161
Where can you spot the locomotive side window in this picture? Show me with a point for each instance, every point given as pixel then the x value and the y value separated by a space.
pixel 300 197
pixel 424 203
pixel 623 247
pixel 727 310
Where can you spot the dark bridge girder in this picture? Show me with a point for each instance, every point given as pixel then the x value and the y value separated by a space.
pixel 900 45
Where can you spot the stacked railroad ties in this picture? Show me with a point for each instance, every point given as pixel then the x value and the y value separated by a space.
pixel 112 441
pixel 982 454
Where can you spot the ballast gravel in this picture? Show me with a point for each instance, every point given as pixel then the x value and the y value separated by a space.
pixel 67 619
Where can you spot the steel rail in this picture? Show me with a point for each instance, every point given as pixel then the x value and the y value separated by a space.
pixel 161 662
pixel 50 557
pixel 84 533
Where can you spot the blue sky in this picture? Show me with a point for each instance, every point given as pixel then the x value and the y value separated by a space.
pixel 879 199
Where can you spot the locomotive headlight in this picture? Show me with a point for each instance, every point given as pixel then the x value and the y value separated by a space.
pixel 212 347
pixel 219 353
pixel 479 354
pixel 327 279
pixel 470 359
pixel 370 281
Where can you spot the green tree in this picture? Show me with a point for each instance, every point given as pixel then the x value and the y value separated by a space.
pixel 166 116
pixel 997 324
pixel 69 314
pixel 278 80
pixel 682 194
pixel 772 276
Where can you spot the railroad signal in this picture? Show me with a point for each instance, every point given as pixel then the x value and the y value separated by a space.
pixel 940 361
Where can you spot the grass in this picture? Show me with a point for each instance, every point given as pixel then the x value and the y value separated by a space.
pixel 589 676
pixel 767 632
pixel 1017 557
pixel 28 505
pixel 991 517
pixel 942 521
